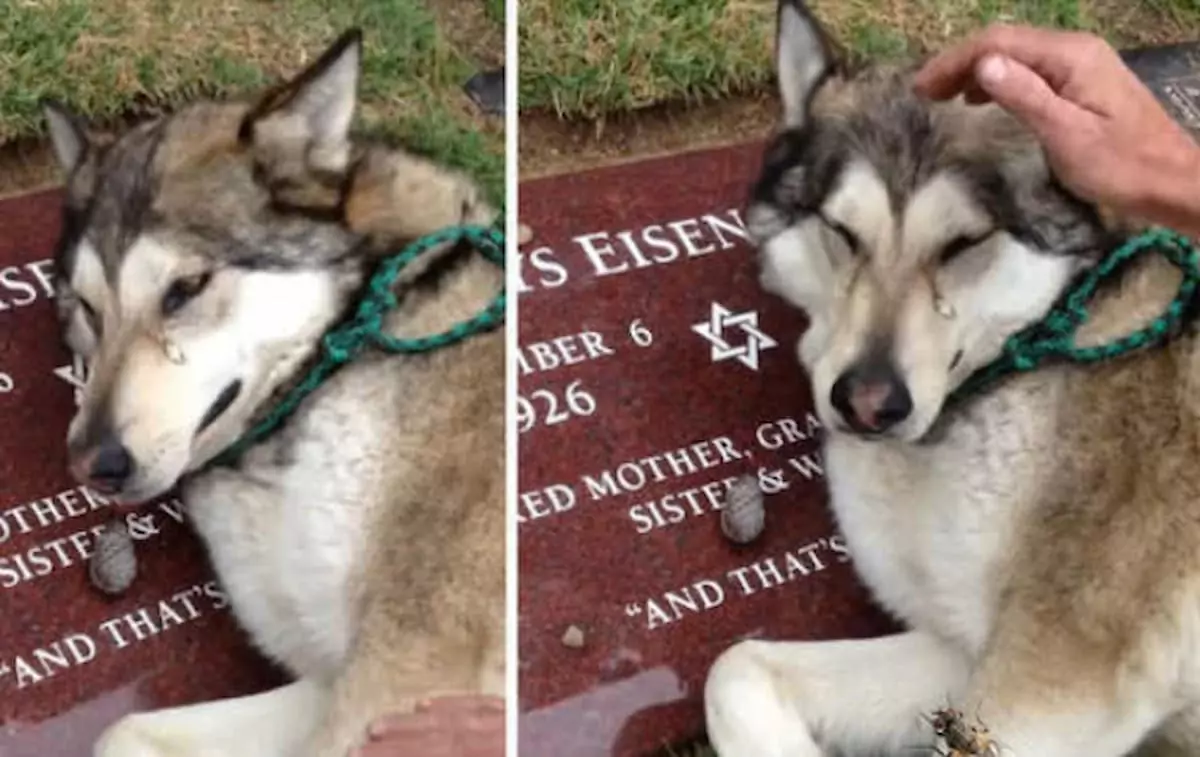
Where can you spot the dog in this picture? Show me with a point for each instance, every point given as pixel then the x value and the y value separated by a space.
pixel 204 255
pixel 1039 538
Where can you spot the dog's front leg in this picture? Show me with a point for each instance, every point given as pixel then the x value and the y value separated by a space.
pixel 796 699
pixel 1046 698
pixel 277 723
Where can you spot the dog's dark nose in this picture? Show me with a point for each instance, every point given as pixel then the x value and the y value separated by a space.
pixel 105 467
pixel 871 397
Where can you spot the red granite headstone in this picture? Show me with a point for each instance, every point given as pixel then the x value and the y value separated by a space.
pixel 72 660
pixel 653 371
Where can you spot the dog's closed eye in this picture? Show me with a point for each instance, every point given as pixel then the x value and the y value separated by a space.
pixel 184 290
pixel 90 316
pixel 848 237
pixel 960 244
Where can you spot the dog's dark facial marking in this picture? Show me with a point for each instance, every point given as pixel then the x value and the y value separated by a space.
pixel 875 118
pixel 1036 209
pixel 992 191
pixel 73 222
pixel 799 170
pixel 836 113
pixel 224 400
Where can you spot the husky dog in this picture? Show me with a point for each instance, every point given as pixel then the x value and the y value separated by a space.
pixel 203 257
pixel 1041 538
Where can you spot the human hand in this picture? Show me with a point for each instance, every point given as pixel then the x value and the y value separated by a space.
pixel 465 726
pixel 1105 135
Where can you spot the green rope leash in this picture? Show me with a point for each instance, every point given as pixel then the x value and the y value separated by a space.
pixel 365 329
pixel 1054 335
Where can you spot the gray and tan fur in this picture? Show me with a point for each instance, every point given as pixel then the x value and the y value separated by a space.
pixel 362 546
pixel 1041 541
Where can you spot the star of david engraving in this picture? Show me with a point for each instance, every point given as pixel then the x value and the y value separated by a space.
pixel 722 318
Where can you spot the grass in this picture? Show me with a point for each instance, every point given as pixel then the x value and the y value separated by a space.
pixel 589 58
pixel 111 59
pixel 585 57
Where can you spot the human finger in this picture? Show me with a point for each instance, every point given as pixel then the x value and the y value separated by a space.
pixel 1024 93
pixel 1045 51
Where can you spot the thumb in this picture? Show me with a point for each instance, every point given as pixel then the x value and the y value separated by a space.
pixel 1019 90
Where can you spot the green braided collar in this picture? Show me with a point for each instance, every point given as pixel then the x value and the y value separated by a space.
pixel 1054 336
pixel 365 328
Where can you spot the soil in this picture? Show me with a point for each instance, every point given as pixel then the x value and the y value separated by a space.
pixel 550 145
pixel 26 166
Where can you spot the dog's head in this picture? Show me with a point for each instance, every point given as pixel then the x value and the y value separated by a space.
pixel 916 236
pixel 202 257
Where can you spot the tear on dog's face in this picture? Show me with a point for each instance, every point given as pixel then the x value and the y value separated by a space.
pixel 916 236
pixel 201 258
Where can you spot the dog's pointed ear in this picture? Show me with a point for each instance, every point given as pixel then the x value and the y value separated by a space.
pixel 68 136
pixel 803 58
pixel 318 105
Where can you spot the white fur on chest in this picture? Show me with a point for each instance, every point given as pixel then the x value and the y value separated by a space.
pixel 930 527
pixel 288 540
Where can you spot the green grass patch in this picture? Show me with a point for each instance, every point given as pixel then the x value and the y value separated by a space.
pixel 109 59
pixel 1063 14
pixel 587 58
pixel 495 11
pixel 875 41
